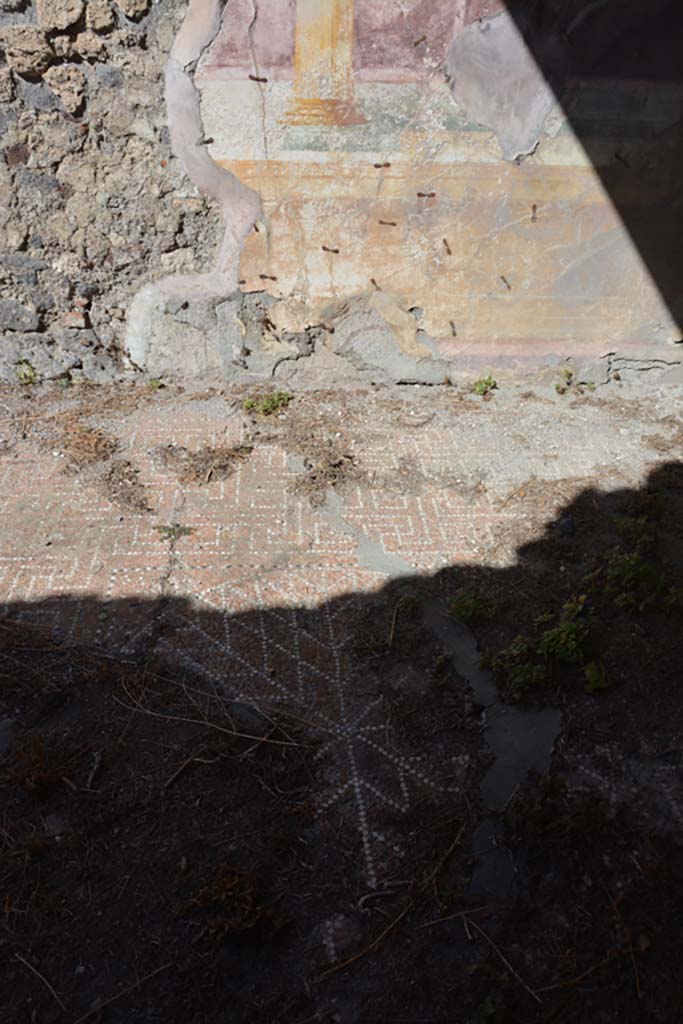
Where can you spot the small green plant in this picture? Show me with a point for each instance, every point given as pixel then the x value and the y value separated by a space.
pixel 635 531
pixel 524 664
pixel 516 653
pixel 525 677
pixel 567 381
pixel 515 665
pixel 173 532
pixel 592 578
pixel 268 404
pixel 407 603
pixel 543 619
pixel 633 580
pixel 566 641
pixel 484 386
pixel 467 607
pixel 596 677
pixel 26 373
pixel 155 384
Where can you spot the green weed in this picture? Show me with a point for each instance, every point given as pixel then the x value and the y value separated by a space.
pixel 543 619
pixel 518 652
pixel 173 532
pixel 407 603
pixel 634 580
pixel 515 665
pixel 567 381
pixel 467 607
pixel 484 386
pixel 526 677
pixel 26 374
pixel 635 531
pixel 596 677
pixel 520 664
pixel 566 641
pixel 274 402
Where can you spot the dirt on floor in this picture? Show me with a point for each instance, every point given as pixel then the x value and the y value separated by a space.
pixel 164 851
pixel 210 462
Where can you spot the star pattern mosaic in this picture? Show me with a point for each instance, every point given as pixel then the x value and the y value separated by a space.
pixel 261 646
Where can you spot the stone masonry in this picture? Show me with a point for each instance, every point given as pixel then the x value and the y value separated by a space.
pixel 92 201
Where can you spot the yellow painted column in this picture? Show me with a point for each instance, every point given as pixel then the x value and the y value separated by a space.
pixel 323 64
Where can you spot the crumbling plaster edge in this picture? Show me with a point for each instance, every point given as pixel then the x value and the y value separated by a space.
pixel 240 206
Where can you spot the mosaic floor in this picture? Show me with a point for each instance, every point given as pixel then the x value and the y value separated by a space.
pixel 253 590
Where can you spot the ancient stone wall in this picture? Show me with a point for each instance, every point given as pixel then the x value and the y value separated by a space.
pixel 92 201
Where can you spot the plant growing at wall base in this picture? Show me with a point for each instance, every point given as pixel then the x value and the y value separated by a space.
pixel 567 381
pixel 26 373
pixel 274 402
pixel 484 386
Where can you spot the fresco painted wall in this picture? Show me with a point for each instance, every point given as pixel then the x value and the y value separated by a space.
pixel 413 146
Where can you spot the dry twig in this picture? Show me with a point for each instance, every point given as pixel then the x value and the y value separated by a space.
pixel 579 978
pixel 195 759
pixel 393 624
pixel 507 963
pixel 627 936
pixel 368 949
pixel 121 994
pixel 452 917
pixel 42 978
pixel 200 721
pixel 442 860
